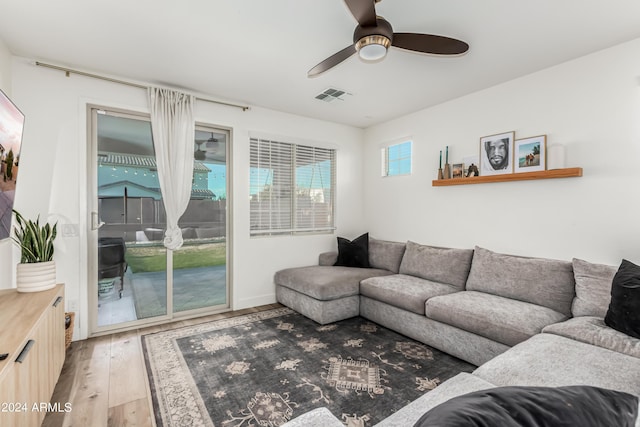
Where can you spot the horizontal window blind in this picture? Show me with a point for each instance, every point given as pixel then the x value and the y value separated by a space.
pixel 291 188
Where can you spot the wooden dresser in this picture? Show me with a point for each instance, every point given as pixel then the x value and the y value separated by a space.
pixel 32 332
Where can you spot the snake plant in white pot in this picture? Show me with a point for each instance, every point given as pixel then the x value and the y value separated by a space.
pixel 37 270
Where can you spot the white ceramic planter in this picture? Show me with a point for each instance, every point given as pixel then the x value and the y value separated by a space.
pixel 36 277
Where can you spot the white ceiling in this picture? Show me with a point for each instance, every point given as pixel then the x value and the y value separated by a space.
pixel 258 52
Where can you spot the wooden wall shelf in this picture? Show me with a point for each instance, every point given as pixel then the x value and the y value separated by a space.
pixel 555 173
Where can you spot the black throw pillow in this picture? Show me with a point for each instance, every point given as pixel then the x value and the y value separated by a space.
pixel 624 310
pixel 353 253
pixel 580 406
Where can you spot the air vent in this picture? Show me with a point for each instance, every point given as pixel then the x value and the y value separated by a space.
pixel 332 94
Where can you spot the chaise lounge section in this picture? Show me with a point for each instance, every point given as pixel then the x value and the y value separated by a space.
pixel 524 321
pixel 326 293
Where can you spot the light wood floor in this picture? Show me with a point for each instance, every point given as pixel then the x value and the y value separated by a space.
pixel 105 379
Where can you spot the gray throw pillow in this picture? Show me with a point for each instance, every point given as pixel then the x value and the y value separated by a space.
pixel 385 255
pixel 442 265
pixel 593 288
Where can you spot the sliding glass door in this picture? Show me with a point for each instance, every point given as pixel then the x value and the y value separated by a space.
pixel 200 266
pixel 136 279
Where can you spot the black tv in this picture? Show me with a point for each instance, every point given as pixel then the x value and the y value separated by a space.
pixel 11 127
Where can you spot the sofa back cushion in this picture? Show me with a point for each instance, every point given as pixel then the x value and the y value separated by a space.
pixel 385 255
pixel 443 265
pixel 593 288
pixel 328 258
pixel 541 281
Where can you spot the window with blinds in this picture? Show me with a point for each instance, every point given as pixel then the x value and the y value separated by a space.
pixel 396 159
pixel 292 188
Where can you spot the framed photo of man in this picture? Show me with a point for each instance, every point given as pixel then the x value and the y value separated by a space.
pixel 496 154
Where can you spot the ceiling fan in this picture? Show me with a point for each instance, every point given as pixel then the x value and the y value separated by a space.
pixel 212 140
pixel 199 154
pixel 374 35
pixel 210 143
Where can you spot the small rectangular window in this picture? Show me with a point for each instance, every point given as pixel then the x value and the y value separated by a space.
pixel 396 159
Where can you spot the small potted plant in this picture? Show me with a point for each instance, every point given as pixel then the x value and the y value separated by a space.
pixel 37 270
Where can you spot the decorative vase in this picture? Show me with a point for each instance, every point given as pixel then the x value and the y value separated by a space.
pixel 447 171
pixel 555 157
pixel 36 277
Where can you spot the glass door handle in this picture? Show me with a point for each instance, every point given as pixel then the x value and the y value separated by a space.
pixel 95 221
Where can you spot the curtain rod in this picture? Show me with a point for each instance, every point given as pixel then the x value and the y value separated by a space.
pixel 69 71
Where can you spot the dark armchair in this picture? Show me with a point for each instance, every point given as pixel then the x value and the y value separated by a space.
pixel 111 262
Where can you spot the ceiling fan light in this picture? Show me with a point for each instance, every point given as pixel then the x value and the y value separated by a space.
pixel 373 48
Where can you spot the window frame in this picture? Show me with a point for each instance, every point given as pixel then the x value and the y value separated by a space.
pixel 387 162
pixel 287 184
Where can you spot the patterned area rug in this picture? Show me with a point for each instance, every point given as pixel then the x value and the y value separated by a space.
pixel 266 368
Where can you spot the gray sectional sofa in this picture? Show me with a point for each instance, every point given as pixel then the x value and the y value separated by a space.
pixel 521 320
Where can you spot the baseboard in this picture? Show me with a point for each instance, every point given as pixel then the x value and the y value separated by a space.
pixel 241 303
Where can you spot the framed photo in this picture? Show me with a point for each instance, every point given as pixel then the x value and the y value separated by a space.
pixel 471 166
pixel 496 154
pixel 11 129
pixel 530 154
pixel 457 170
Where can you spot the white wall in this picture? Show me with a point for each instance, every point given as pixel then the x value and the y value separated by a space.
pixel 590 105
pixel 5 68
pixel 7 250
pixel 53 176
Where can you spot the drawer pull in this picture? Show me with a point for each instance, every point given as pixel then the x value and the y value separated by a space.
pixel 25 350
pixel 58 301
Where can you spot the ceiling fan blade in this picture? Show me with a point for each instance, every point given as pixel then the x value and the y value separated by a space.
pixel 364 11
pixel 332 61
pixel 429 43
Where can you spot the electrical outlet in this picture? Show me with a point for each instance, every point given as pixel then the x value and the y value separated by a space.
pixel 69 230
pixel 73 305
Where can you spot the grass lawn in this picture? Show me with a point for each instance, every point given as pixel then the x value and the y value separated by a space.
pixel 143 259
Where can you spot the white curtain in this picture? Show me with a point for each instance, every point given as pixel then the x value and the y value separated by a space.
pixel 173 130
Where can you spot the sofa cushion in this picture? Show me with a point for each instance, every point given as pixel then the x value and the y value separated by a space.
pixel 593 288
pixel 319 417
pixel 460 384
pixel 444 265
pixel 592 330
pixel 322 312
pixel 353 253
pixel 154 234
pixel 209 232
pixel 326 282
pixel 624 309
pixel 189 233
pixel 554 361
pixel 328 258
pixel 540 281
pixel 385 255
pixel 501 319
pixel 402 291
